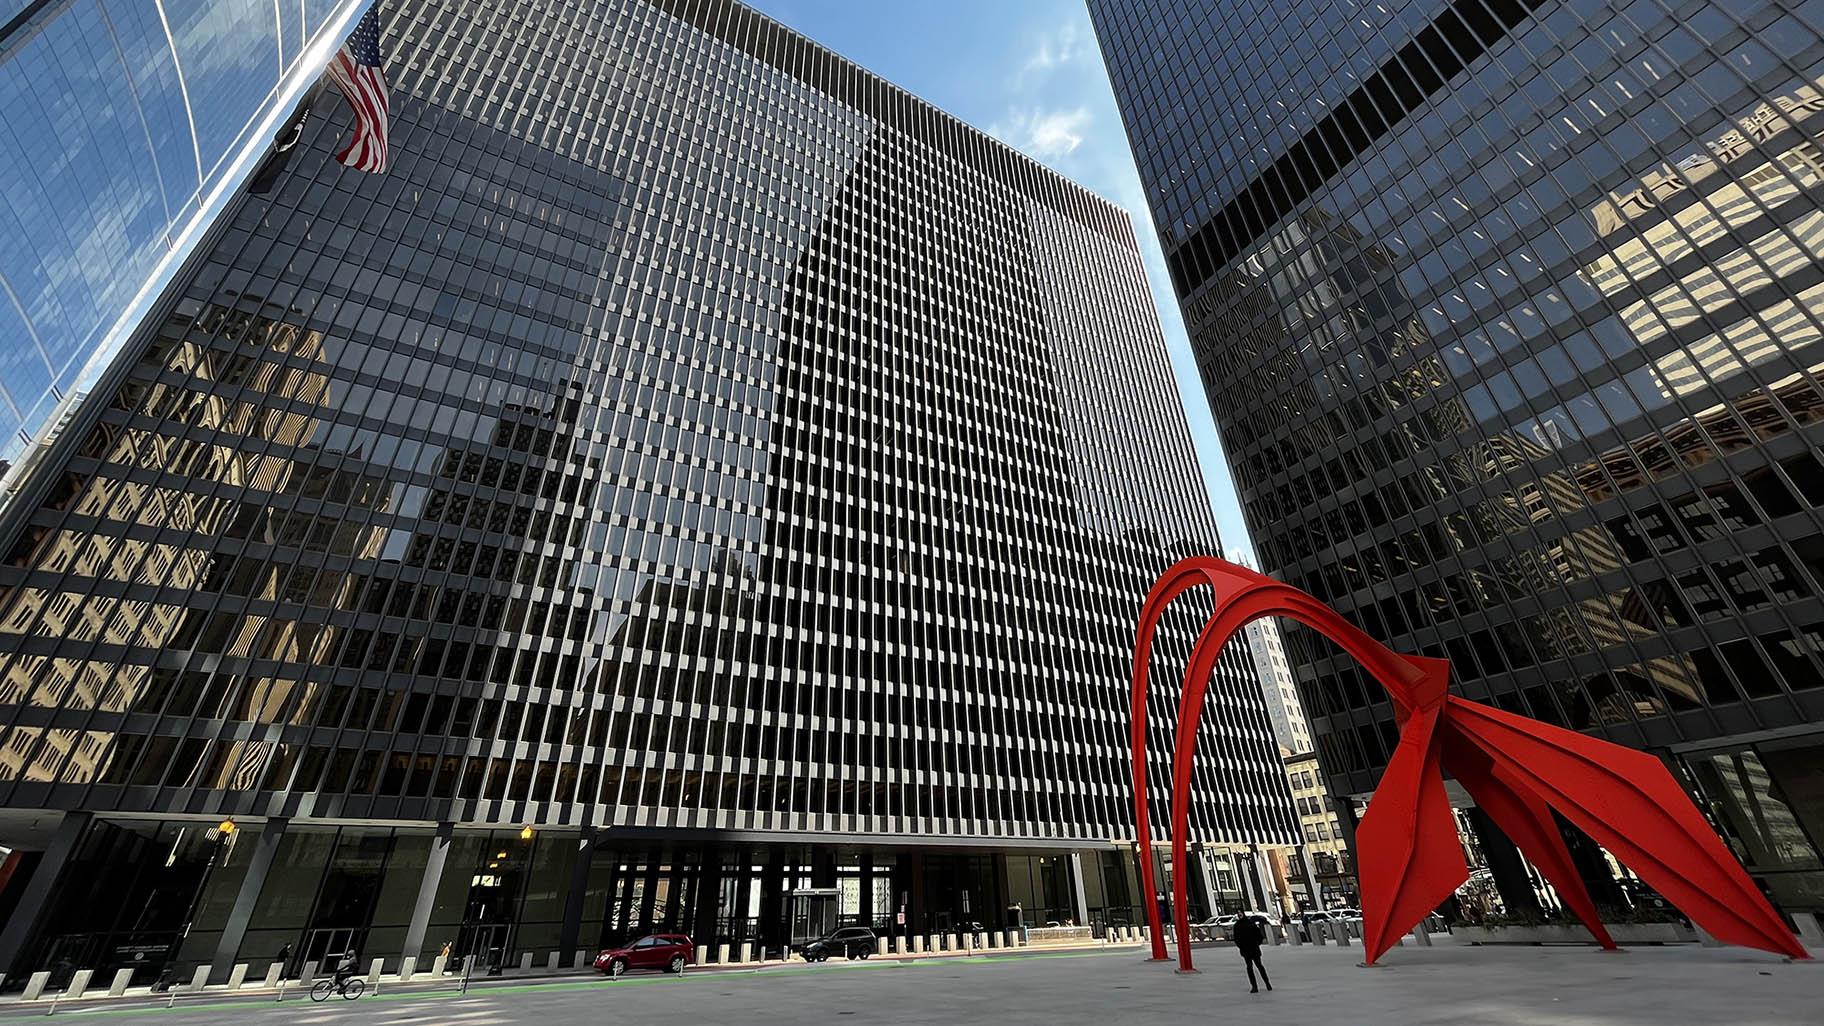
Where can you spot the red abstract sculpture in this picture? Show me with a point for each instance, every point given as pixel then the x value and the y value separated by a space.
pixel 1518 770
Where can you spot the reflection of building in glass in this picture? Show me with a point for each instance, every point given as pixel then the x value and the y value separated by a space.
pixel 128 120
pixel 1509 315
pixel 701 451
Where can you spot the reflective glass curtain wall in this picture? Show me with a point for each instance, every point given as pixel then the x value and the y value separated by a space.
pixel 690 432
pixel 118 120
pixel 1509 312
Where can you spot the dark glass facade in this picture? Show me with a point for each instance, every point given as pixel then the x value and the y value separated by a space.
pixel 1509 312
pixel 694 448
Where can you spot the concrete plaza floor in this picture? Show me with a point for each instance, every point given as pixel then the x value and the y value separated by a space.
pixel 1446 984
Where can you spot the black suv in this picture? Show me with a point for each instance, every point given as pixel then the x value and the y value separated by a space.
pixel 849 942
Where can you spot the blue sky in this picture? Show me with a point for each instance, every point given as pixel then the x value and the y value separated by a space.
pixel 1027 71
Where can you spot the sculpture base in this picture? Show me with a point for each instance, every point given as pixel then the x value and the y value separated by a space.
pixel 1187 972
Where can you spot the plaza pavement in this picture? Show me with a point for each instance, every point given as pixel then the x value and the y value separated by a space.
pixel 1446 984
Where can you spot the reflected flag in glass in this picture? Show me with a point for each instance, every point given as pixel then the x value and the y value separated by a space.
pixel 355 70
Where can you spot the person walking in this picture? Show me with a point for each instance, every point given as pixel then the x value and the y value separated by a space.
pixel 1248 936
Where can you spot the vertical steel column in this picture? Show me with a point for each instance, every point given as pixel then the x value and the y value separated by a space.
pixel 229 946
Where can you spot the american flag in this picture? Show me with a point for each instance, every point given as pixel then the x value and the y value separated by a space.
pixel 356 71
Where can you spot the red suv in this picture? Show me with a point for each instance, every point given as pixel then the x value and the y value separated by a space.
pixel 668 951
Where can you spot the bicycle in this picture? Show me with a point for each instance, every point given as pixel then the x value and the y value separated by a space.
pixel 350 989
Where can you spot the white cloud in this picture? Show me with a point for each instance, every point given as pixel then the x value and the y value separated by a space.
pixel 1059 46
pixel 1046 135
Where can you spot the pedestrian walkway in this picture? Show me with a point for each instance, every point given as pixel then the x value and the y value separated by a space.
pixel 93 993
pixel 1448 984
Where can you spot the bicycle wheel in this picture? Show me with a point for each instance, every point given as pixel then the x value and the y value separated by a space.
pixel 322 989
pixel 353 988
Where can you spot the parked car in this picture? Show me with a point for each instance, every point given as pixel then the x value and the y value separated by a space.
pixel 849 942
pixel 670 952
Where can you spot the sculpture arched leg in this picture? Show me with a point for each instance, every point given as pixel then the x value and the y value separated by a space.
pixel 1409 858
pixel 1190 711
pixel 1183 575
pixel 1630 804
pixel 1527 821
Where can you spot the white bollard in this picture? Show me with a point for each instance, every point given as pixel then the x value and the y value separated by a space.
pixel 721 954
pixel 307 975
pixel 1295 936
pixel 1277 935
pixel 525 962
pixel 553 960
pixel 747 952
pixel 408 968
pixel 199 979
pixel 438 964
pixel 34 987
pixel 1811 928
pixel 899 943
pixel 880 945
pixel 994 939
pixel 237 976
pixel 273 972
pixel 373 973
pixel 949 942
pixel 702 954
pixel 78 984
pixel 1342 935
pixel 122 977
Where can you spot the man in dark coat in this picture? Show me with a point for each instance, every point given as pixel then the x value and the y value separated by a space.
pixel 1249 933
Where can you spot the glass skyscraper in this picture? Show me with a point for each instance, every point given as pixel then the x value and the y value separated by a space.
pixel 122 122
pixel 1510 313
pixel 699 486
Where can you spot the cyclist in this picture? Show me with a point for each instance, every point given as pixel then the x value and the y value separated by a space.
pixel 345 968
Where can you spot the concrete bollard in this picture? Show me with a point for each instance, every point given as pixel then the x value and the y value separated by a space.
pixel 702 954
pixel 408 968
pixel 583 960
pixel 880 945
pixel 34 987
pixel 1295 936
pixel 1319 929
pixel 374 969
pixel 968 943
pixel 949 942
pixel 122 977
pixel 994 939
pixel 307 975
pixel 78 984
pixel 273 972
pixel 438 965
pixel 525 962
pixel 237 977
pixel 1421 936
pixel 747 952
pixel 199 979
pixel 899 944
pixel 918 944
pixel 554 960
pixel 1342 935
pixel 1276 935
pixel 721 954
